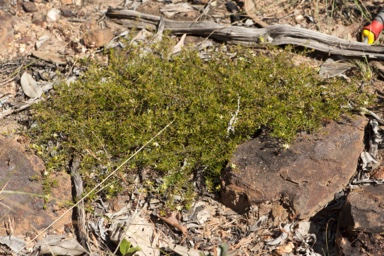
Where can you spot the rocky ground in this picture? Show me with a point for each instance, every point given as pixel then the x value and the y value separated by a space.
pixel 319 196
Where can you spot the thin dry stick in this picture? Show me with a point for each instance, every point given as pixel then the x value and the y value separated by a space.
pixel 98 185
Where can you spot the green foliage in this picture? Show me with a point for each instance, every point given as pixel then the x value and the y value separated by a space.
pixel 126 248
pixel 114 109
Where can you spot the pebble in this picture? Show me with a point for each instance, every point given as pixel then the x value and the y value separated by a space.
pixel 66 2
pixel 67 13
pixel 97 38
pixel 39 19
pixel 53 15
pixel 29 7
pixel 299 18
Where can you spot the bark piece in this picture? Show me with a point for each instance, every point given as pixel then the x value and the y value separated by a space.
pixel 78 215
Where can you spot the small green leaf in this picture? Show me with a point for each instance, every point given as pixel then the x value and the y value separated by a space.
pixel 126 248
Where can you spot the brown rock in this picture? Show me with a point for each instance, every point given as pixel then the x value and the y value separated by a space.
pixel 363 244
pixel 308 173
pixel 22 191
pixel 68 13
pixel 364 210
pixel 378 174
pixel 361 222
pixel 3 4
pixel 29 7
pixel 6 32
pixel 97 38
pixel 39 19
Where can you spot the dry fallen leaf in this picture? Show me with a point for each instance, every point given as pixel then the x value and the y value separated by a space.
pixel 59 245
pixel 138 231
pixel 14 243
pixel 50 56
pixel 173 221
pixel 346 32
pixel 179 46
pixel 30 86
pixel 171 10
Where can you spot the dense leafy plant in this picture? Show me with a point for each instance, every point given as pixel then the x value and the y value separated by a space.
pixel 214 104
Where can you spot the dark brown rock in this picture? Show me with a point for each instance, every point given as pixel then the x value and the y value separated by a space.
pixel 22 191
pixel 68 13
pixel 361 222
pixel 308 173
pixel 29 7
pixel 364 210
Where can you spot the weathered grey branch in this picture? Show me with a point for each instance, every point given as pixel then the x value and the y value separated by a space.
pixel 275 34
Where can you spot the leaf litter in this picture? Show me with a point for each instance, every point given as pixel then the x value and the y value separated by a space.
pixel 30 86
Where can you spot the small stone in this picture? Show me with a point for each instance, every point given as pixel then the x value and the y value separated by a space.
pixel 379 174
pixel 299 18
pixel 41 40
pixel 29 7
pixel 200 1
pixel 53 15
pixel 22 48
pixel 67 13
pixel 39 19
pixel 97 38
pixel 66 2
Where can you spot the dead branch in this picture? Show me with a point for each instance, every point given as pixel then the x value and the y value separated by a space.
pixel 275 34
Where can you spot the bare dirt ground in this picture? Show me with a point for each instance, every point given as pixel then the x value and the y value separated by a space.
pixel 67 31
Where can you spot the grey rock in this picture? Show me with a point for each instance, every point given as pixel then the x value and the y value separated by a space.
pixel 308 173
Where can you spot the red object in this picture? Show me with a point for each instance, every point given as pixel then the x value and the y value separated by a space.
pixel 375 27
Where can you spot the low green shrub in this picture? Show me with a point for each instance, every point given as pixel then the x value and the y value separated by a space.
pixel 215 105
